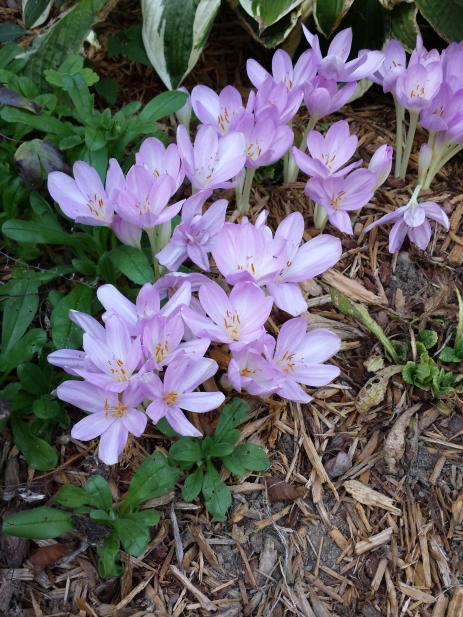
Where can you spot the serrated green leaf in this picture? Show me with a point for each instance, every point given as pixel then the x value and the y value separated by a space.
pixel 192 485
pixel 65 334
pixel 38 524
pixel 133 263
pixel 448 354
pixel 428 338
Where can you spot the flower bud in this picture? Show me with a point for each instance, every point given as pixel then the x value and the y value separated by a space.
pixel 381 163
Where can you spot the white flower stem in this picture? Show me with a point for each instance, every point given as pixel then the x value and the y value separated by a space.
pixel 242 201
pixel 439 163
pixel 290 168
pixel 320 217
pixel 399 136
pixel 158 237
pixel 409 142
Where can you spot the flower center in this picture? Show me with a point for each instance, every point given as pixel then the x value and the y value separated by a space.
pixel 223 120
pixel 337 199
pixel 328 159
pixel 116 412
pixel 170 398
pixel 161 351
pixel 287 362
pixel 117 369
pixel 96 206
pixel 247 372
pixel 231 321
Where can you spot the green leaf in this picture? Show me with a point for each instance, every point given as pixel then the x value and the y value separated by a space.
pixel 19 310
pixel 72 496
pixel 24 350
pixel 192 485
pixel 65 334
pixel 224 446
pixel 133 534
pixel 162 105
pixel 130 43
pixel 147 517
pixel 459 346
pixel 9 97
pixel 38 524
pixel 99 491
pixel 448 354
pixel 108 553
pixel 35 12
pixel 46 407
pixel 10 32
pixel 247 457
pixel 37 158
pixel 133 263
pixel 267 13
pixel 153 478
pixel 174 34
pixel 186 450
pixel 108 89
pixel 216 493
pixel 38 453
pixel 328 14
pixel 33 379
pixel 38 233
pixel 63 38
pixel 445 17
pixel 402 24
pixel 231 416
pixel 428 338
pixel 40 122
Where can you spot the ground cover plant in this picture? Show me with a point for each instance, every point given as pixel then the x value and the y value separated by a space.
pixel 214 356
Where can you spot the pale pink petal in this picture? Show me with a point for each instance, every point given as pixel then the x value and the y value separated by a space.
pixel 92 426
pixel 112 442
pixel 200 401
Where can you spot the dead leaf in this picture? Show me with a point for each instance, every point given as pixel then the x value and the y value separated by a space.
pixel 374 390
pixel 46 556
pixel 279 490
pixel 354 290
pixel 394 445
pixel 338 465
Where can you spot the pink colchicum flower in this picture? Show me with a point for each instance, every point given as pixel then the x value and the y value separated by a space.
pixel 323 96
pixel 303 262
pixel 251 369
pixel 381 164
pixel 212 161
pixel 335 64
pixel 283 71
pixel 338 196
pixel 84 198
pixel 195 236
pixel 236 319
pixel 329 152
pixel 418 85
pixel 160 161
pixel 412 221
pixel 111 416
pixel 221 111
pixel 395 63
pixel 175 394
pixel 144 200
pixel 300 357
pixel 277 99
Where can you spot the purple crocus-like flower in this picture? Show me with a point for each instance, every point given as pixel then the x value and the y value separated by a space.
pixel 412 221
pixel 221 111
pixel 160 161
pixel 395 63
pixel 277 99
pixel 195 236
pixel 323 96
pixel 144 200
pixel 418 84
pixel 111 416
pixel 83 198
pixel 329 152
pixel 175 394
pixel 236 319
pixel 300 357
pixel 303 262
pixel 251 368
pixel 162 341
pixel 283 71
pixel 381 164
pixel 267 139
pixel 452 60
pixel 444 112
pixel 338 196
pixel 335 64
pixel 212 161
pixel 246 252
pixel 116 358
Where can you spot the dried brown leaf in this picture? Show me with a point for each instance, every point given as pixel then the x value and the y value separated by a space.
pixel 279 490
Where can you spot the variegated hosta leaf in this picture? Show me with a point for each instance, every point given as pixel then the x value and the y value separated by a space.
pixel 267 13
pixel 35 12
pixel 174 34
pixel 403 25
pixel 329 13
pixel 446 17
pixel 390 4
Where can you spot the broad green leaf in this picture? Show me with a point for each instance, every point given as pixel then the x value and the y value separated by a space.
pixel 445 17
pixel 133 263
pixel 35 12
pixel 10 32
pixel 192 485
pixel 328 14
pixel 19 310
pixel 448 354
pixel 216 493
pixel 35 232
pixel 23 350
pixel 66 334
pixel 98 488
pixel 100 516
pixel 33 379
pixel 174 33
pixel 428 338
pixel 39 122
pixel 153 478
pixel 162 105
pixel 13 99
pixel 108 553
pixel 146 517
pixel 247 457
pixel 38 524
pixel 225 445
pixel 35 159
pixel 46 407
pixel 402 24
pixel 64 37
pixel 134 535
pixel 231 416
pixel 186 450
pixel 267 13
pixel 130 43
pixel 72 496
pixel 38 453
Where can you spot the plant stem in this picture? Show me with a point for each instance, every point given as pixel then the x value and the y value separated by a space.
pixel 242 201
pixel 320 217
pixel 399 136
pixel 290 168
pixel 409 142
pixel 439 163
pixel 158 236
